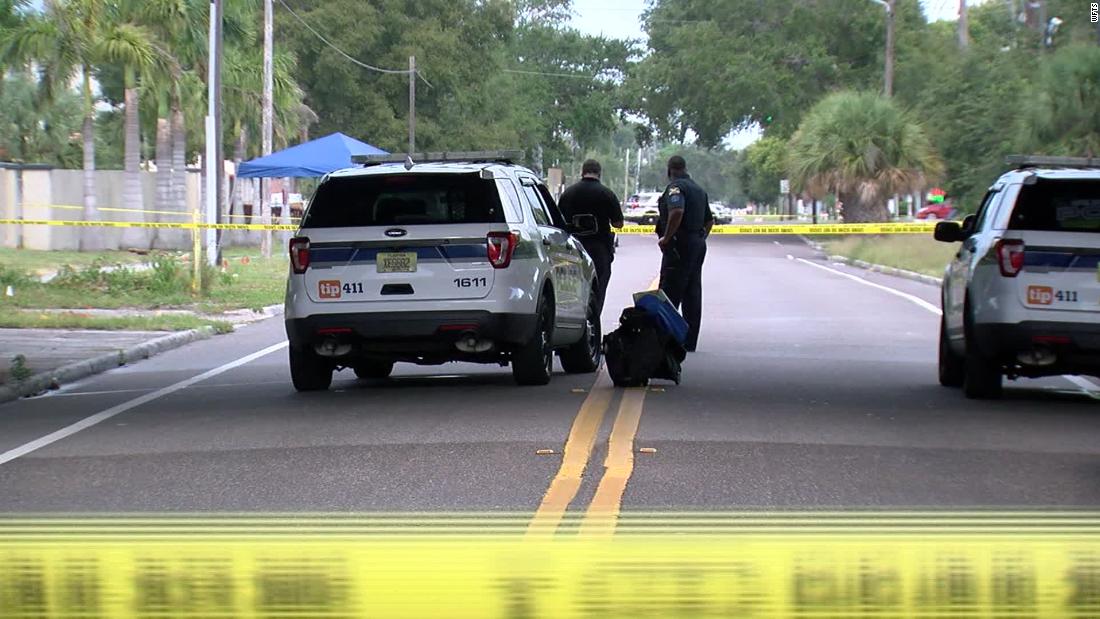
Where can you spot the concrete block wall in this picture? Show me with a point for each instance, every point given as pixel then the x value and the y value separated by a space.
pixel 59 195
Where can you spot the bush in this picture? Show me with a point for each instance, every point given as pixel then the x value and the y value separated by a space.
pixel 14 278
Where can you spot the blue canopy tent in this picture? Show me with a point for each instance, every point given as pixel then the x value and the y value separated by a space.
pixel 315 158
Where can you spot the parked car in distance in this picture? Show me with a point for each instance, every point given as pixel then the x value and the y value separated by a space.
pixel 944 210
pixel 641 209
pixel 722 213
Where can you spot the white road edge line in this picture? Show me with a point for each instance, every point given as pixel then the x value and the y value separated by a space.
pixel 100 417
pixel 908 297
pixel 1086 385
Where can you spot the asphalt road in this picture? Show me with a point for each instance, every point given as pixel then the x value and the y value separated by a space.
pixel 810 389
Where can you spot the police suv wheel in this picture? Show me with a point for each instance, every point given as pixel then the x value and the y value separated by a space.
pixel 533 363
pixel 584 356
pixel 309 371
pixel 952 368
pixel 982 377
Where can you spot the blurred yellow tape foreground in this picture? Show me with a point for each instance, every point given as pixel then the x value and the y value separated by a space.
pixel 883 228
pixel 666 565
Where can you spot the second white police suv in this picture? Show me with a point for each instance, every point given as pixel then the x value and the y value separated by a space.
pixel 451 257
pixel 1022 296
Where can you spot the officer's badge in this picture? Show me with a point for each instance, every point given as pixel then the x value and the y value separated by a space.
pixel 673 191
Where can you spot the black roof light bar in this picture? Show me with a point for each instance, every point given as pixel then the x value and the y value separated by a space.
pixel 486 156
pixel 1044 161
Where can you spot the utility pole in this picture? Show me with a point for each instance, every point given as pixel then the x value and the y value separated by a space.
pixel 888 73
pixel 626 175
pixel 268 127
pixel 412 105
pixel 219 143
pixel 964 25
pixel 888 69
pixel 210 159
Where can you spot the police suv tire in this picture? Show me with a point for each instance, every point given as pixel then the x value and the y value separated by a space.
pixel 533 363
pixel 952 366
pixel 584 356
pixel 982 377
pixel 373 369
pixel 309 371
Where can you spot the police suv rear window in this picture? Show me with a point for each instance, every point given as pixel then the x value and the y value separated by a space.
pixel 1058 206
pixel 404 199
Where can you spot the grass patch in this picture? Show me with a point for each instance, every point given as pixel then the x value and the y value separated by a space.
pixel 76 320
pixel 920 253
pixel 248 282
pixel 40 262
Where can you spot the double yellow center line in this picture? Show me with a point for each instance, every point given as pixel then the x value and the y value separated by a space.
pixel 602 514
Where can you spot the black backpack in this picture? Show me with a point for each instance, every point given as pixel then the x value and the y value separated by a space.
pixel 640 350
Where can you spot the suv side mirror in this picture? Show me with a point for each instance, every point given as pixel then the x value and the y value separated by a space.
pixel 584 225
pixel 948 232
pixel 968 225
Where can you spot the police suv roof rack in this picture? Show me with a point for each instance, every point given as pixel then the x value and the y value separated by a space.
pixel 1042 161
pixel 486 156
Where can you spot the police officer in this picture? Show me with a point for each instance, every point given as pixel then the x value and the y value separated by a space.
pixel 590 197
pixel 684 222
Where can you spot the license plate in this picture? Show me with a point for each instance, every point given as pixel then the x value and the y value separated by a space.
pixel 397 262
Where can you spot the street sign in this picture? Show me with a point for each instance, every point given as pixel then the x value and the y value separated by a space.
pixel 784 186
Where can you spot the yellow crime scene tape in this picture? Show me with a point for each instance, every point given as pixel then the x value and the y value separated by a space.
pixel 747 229
pixel 148 224
pixel 665 565
pixel 111 209
pixel 806 228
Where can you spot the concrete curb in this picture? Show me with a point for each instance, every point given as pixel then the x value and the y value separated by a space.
pixel 877 268
pixel 81 369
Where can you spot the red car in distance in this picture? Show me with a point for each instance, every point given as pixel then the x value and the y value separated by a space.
pixel 943 210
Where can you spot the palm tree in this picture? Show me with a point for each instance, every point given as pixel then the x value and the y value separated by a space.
pixel 242 87
pixel 864 149
pixel 181 25
pixel 131 47
pixel 64 41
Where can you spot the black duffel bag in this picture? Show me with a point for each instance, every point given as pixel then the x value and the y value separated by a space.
pixel 640 350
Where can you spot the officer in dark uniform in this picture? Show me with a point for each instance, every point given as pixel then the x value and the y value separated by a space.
pixel 590 197
pixel 684 222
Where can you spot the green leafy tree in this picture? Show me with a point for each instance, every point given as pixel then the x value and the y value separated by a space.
pixel 718 65
pixel 66 40
pixel 763 164
pixel 713 169
pixel 863 148
pixel 1061 114
pixel 36 131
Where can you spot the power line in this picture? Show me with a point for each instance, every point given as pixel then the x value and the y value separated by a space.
pixel 342 52
pixel 573 75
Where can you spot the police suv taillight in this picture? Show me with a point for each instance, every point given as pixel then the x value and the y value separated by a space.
pixel 1010 256
pixel 501 247
pixel 299 254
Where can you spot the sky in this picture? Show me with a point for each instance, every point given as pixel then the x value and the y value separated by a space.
pixel 621 19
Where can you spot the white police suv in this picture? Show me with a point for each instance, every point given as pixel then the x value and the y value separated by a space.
pixel 434 258
pixel 1022 296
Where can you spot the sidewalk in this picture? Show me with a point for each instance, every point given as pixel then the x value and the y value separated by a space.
pixel 52 357
pixel 49 349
